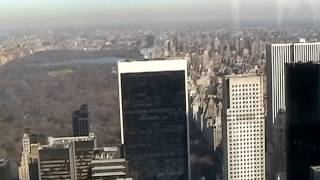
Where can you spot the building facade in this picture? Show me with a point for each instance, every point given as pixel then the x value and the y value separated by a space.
pixel 57 162
pixel 82 153
pixel 277 55
pixel 108 164
pixel 303 123
pixel 24 161
pixel 5 170
pixel 154 121
pixel 243 127
pixel 314 173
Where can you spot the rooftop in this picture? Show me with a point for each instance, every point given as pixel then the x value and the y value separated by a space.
pixel 315 168
pixel 151 66
pixel 3 162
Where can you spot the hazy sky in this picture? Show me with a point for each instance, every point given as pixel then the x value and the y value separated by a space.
pixel 20 13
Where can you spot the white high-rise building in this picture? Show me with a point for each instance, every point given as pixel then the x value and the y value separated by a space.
pixel 243 127
pixel 24 162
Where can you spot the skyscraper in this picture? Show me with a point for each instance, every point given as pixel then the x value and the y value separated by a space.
pixel 314 173
pixel 81 126
pixel 303 123
pixel 243 127
pixel 24 161
pixel 4 170
pixel 277 56
pixel 154 123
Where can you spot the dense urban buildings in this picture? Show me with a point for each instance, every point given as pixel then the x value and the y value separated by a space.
pixel 47 90
pixel 154 123
pixel 303 113
pixel 81 126
pixel 244 127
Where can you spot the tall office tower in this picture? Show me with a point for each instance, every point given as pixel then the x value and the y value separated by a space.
pixel 303 113
pixel 24 161
pixel 314 173
pixel 81 126
pixel 82 152
pixel 4 170
pixel 57 162
pixel 154 123
pixel 108 163
pixel 243 127
pixel 277 56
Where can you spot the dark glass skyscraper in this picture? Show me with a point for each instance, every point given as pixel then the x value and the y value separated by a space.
pixel 154 125
pixel 81 126
pixel 303 113
pixel 4 170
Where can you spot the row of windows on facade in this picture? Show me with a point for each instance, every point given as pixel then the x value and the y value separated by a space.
pixel 250 137
pixel 247 128
pixel 246 116
pixel 251 149
pixel 243 96
pixel 246 168
pixel 247 110
pixel 254 140
pixel 247 178
pixel 237 170
pixel 256 124
pixel 245 106
pixel 246 124
pixel 237 130
pixel 245 157
pixel 245 85
pixel 241 148
pixel 256 119
pixel 245 92
pixel 245 138
pixel 244 162
pixel 248 173
pixel 248 102
pixel 240 166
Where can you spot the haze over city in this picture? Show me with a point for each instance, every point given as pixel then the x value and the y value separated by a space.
pixel 47 13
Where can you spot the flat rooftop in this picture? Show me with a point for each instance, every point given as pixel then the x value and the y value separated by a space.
pixel 151 66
